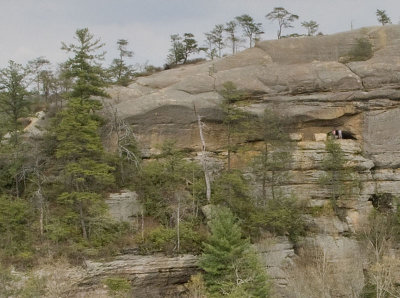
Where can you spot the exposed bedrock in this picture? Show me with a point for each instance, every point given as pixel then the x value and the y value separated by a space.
pixel 300 78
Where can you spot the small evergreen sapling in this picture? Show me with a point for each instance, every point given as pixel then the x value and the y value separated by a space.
pixel 339 177
pixel 230 265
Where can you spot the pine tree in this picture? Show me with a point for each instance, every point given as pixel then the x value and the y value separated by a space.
pixel 285 18
pixel 383 18
pixel 234 118
pixel 251 29
pixel 230 29
pixel 230 265
pixel 79 149
pixel 215 41
pixel 176 52
pixel 121 72
pixel 14 105
pixel 84 67
pixel 272 165
pixel 311 26
pixel 338 177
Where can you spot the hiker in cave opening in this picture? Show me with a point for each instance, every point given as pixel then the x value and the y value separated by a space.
pixel 341 134
pixel 337 134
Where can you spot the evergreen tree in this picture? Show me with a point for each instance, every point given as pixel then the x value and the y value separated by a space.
pixel 338 177
pixel 161 180
pixel 79 149
pixel 231 28
pixel 176 52
pixel 215 41
pixel 234 118
pixel 230 265
pixel 122 73
pixel 189 46
pixel 251 29
pixel 36 67
pixel 84 67
pixel 210 48
pixel 284 18
pixel 383 18
pixel 14 105
pixel 48 83
pixel 311 26
pixel 272 165
pixel 16 216
pixel 231 189
pixel 182 48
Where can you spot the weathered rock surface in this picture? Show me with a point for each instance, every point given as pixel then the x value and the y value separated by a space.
pixel 299 78
pixel 276 255
pixel 150 276
pixel 124 206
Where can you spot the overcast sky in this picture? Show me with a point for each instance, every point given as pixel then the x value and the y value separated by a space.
pixel 33 28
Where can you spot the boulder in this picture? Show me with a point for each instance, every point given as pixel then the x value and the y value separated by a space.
pixel 124 206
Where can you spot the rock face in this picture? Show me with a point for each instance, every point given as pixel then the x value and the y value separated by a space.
pixel 299 78
pixel 150 276
pixel 124 206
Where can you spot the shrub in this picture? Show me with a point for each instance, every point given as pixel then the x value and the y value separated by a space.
pixel 15 229
pixel 117 286
pixel 361 51
pixel 158 239
pixel 339 178
pixel 161 180
pixel 231 189
pixel 196 287
pixel 282 216
pixel 163 239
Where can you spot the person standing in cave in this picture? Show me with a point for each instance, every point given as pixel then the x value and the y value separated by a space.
pixel 337 134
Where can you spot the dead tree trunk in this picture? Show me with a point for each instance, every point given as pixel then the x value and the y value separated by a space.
pixel 203 156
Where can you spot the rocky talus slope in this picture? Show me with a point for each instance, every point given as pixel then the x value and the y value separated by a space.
pixel 300 78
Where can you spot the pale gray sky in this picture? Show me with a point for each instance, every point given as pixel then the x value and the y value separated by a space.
pixel 33 28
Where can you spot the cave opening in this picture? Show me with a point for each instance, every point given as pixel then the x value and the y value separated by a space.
pixel 383 202
pixel 341 134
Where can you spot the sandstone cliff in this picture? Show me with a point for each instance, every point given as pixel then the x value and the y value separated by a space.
pixel 299 78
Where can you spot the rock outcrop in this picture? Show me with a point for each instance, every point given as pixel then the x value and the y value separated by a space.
pixel 300 78
pixel 124 206
pixel 150 276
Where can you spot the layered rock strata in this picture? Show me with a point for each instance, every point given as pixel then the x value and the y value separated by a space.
pixel 300 78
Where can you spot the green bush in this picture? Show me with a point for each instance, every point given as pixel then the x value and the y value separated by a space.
pixel 163 239
pixel 368 291
pixel 339 179
pixel 192 237
pixel 159 239
pixel 16 233
pixel 232 190
pixel 161 179
pixel 118 286
pixel 361 51
pixel 282 216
